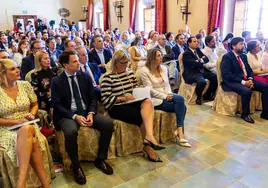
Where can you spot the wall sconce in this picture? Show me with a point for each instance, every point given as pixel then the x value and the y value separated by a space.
pixel 185 10
pixel 118 5
pixel 85 11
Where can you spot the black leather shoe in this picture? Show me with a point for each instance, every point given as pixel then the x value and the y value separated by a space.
pixel 104 167
pixel 198 101
pixel 264 116
pixel 247 118
pixel 154 146
pixel 79 176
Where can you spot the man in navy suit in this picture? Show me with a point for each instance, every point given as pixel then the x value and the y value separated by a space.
pixel 195 72
pixel 179 48
pixel 99 54
pixel 75 105
pixel 90 68
pixel 54 54
pixel 237 76
pixel 28 61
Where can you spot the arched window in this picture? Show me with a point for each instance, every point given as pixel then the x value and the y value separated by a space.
pixel 251 15
pixel 145 16
pixel 98 14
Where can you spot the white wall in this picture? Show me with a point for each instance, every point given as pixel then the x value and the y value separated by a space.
pixel 42 8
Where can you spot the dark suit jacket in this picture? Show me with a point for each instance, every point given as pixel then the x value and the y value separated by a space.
pixel 2 46
pixel 95 70
pixel 61 96
pixel 191 64
pixel 27 65
pixel 231 70
pixel 94 58
pixel 169 56
pixel 176 50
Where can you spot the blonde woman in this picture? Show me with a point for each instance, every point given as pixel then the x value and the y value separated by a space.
pixel 137 54
pixel 116 94
pixel 155 75
pixel 41 79
pixel 18 103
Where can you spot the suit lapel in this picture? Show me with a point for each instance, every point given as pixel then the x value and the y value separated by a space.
pixel 66 86
pixel 97 56
pixel 81 84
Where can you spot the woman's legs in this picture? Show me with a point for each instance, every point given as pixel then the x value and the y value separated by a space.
pixel 37 164
pixel 147 113
pixel 24 150
pixel 25 146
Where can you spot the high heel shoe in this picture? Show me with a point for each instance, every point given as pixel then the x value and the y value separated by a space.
pixel 154 146
pixel 182 142
pixel 145 154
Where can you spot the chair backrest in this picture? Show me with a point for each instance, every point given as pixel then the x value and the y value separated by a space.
pixel 218 67
pixel 28 76
pixel 181 63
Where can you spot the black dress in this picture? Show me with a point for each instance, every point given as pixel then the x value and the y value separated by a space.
pixel 41 82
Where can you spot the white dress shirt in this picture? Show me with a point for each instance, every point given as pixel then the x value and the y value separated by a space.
pixel 212 56
pixel 163 50
pixel 86 68
pixel 101 56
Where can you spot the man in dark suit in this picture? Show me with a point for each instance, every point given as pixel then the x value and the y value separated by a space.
pixel 90 68
pixel 99 54
pixel 74 106
pixel 54 54
pixel 238 77
pixel 179 48
pixel 3 42
pixel 28 61
pixel 194 71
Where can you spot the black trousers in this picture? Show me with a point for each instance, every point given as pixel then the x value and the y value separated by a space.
pixel 70 129
pixel 200 81
pixel 246 93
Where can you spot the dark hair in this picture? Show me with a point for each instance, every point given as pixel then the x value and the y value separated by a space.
pixel 49 39
pixel 214 29
pixel 245 33
pixel 34 42
pixel 198 36
pixel 177 36
pixel 235 41
pixel 169 34
pixel 65 57
pixel 57 36
pixel 23 41
pixel 190 39
pixel 96 36
pixel 66 43
pixel 251 45
pixel 208 39
pixel 228 36
pixel 137 40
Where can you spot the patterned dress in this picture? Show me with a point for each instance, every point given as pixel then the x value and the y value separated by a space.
pixel 10 109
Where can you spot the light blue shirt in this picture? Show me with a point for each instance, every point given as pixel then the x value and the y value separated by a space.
pixel 101 56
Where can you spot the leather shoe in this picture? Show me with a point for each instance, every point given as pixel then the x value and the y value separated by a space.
pixel 104 167
pixel 247 118
pixel 79 176
pixel 199 101
pixel 264 116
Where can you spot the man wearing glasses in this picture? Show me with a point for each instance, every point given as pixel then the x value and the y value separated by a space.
pixel 28 61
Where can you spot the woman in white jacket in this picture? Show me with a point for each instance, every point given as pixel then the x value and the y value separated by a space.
pixel 155 75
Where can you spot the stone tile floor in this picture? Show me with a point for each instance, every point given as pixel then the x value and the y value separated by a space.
pixel 225 152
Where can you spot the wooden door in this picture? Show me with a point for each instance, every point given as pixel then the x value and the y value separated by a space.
pixel 22 20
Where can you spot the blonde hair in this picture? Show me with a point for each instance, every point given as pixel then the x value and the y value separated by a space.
pixel 119 55
pixel 150 60
pixel 37 59
pixel 4 65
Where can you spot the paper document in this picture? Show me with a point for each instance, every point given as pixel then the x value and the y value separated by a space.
pixel 139 94
pixel 24 123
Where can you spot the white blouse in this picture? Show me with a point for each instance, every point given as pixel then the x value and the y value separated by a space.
pixel 253 62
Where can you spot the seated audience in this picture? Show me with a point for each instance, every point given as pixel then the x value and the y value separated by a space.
pixel 137 54
pixel 238 77
pixel 99 54
pixel 261 39
pixel 137 34
pixel 52 51
pixel 69 45
pixel 220 50
pixel 75 105
pixel 194 72
pixel 143 38
pixel 13 48
pixel 116 90
pixel 170 39
pixel 86 40
pixel 18 104
pixel 180 46
pixel 59 44
pixel 131 35
pixel 155 76
pixel 227 40
pixel 203 33
pixel 210 52
pixel 3 42
pixel 152 41
pixel 124 42
pixel 108 44
pixel 200 40
pixel 254 61
pixel 28 61
pixel 41 79
pixel 265 56
pixel 4 54
pixel 23 51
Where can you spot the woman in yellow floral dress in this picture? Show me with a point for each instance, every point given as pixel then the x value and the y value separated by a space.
pixel 18 103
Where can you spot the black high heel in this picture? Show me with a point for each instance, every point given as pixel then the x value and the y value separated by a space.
pixel 154 146
pixel 145 154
